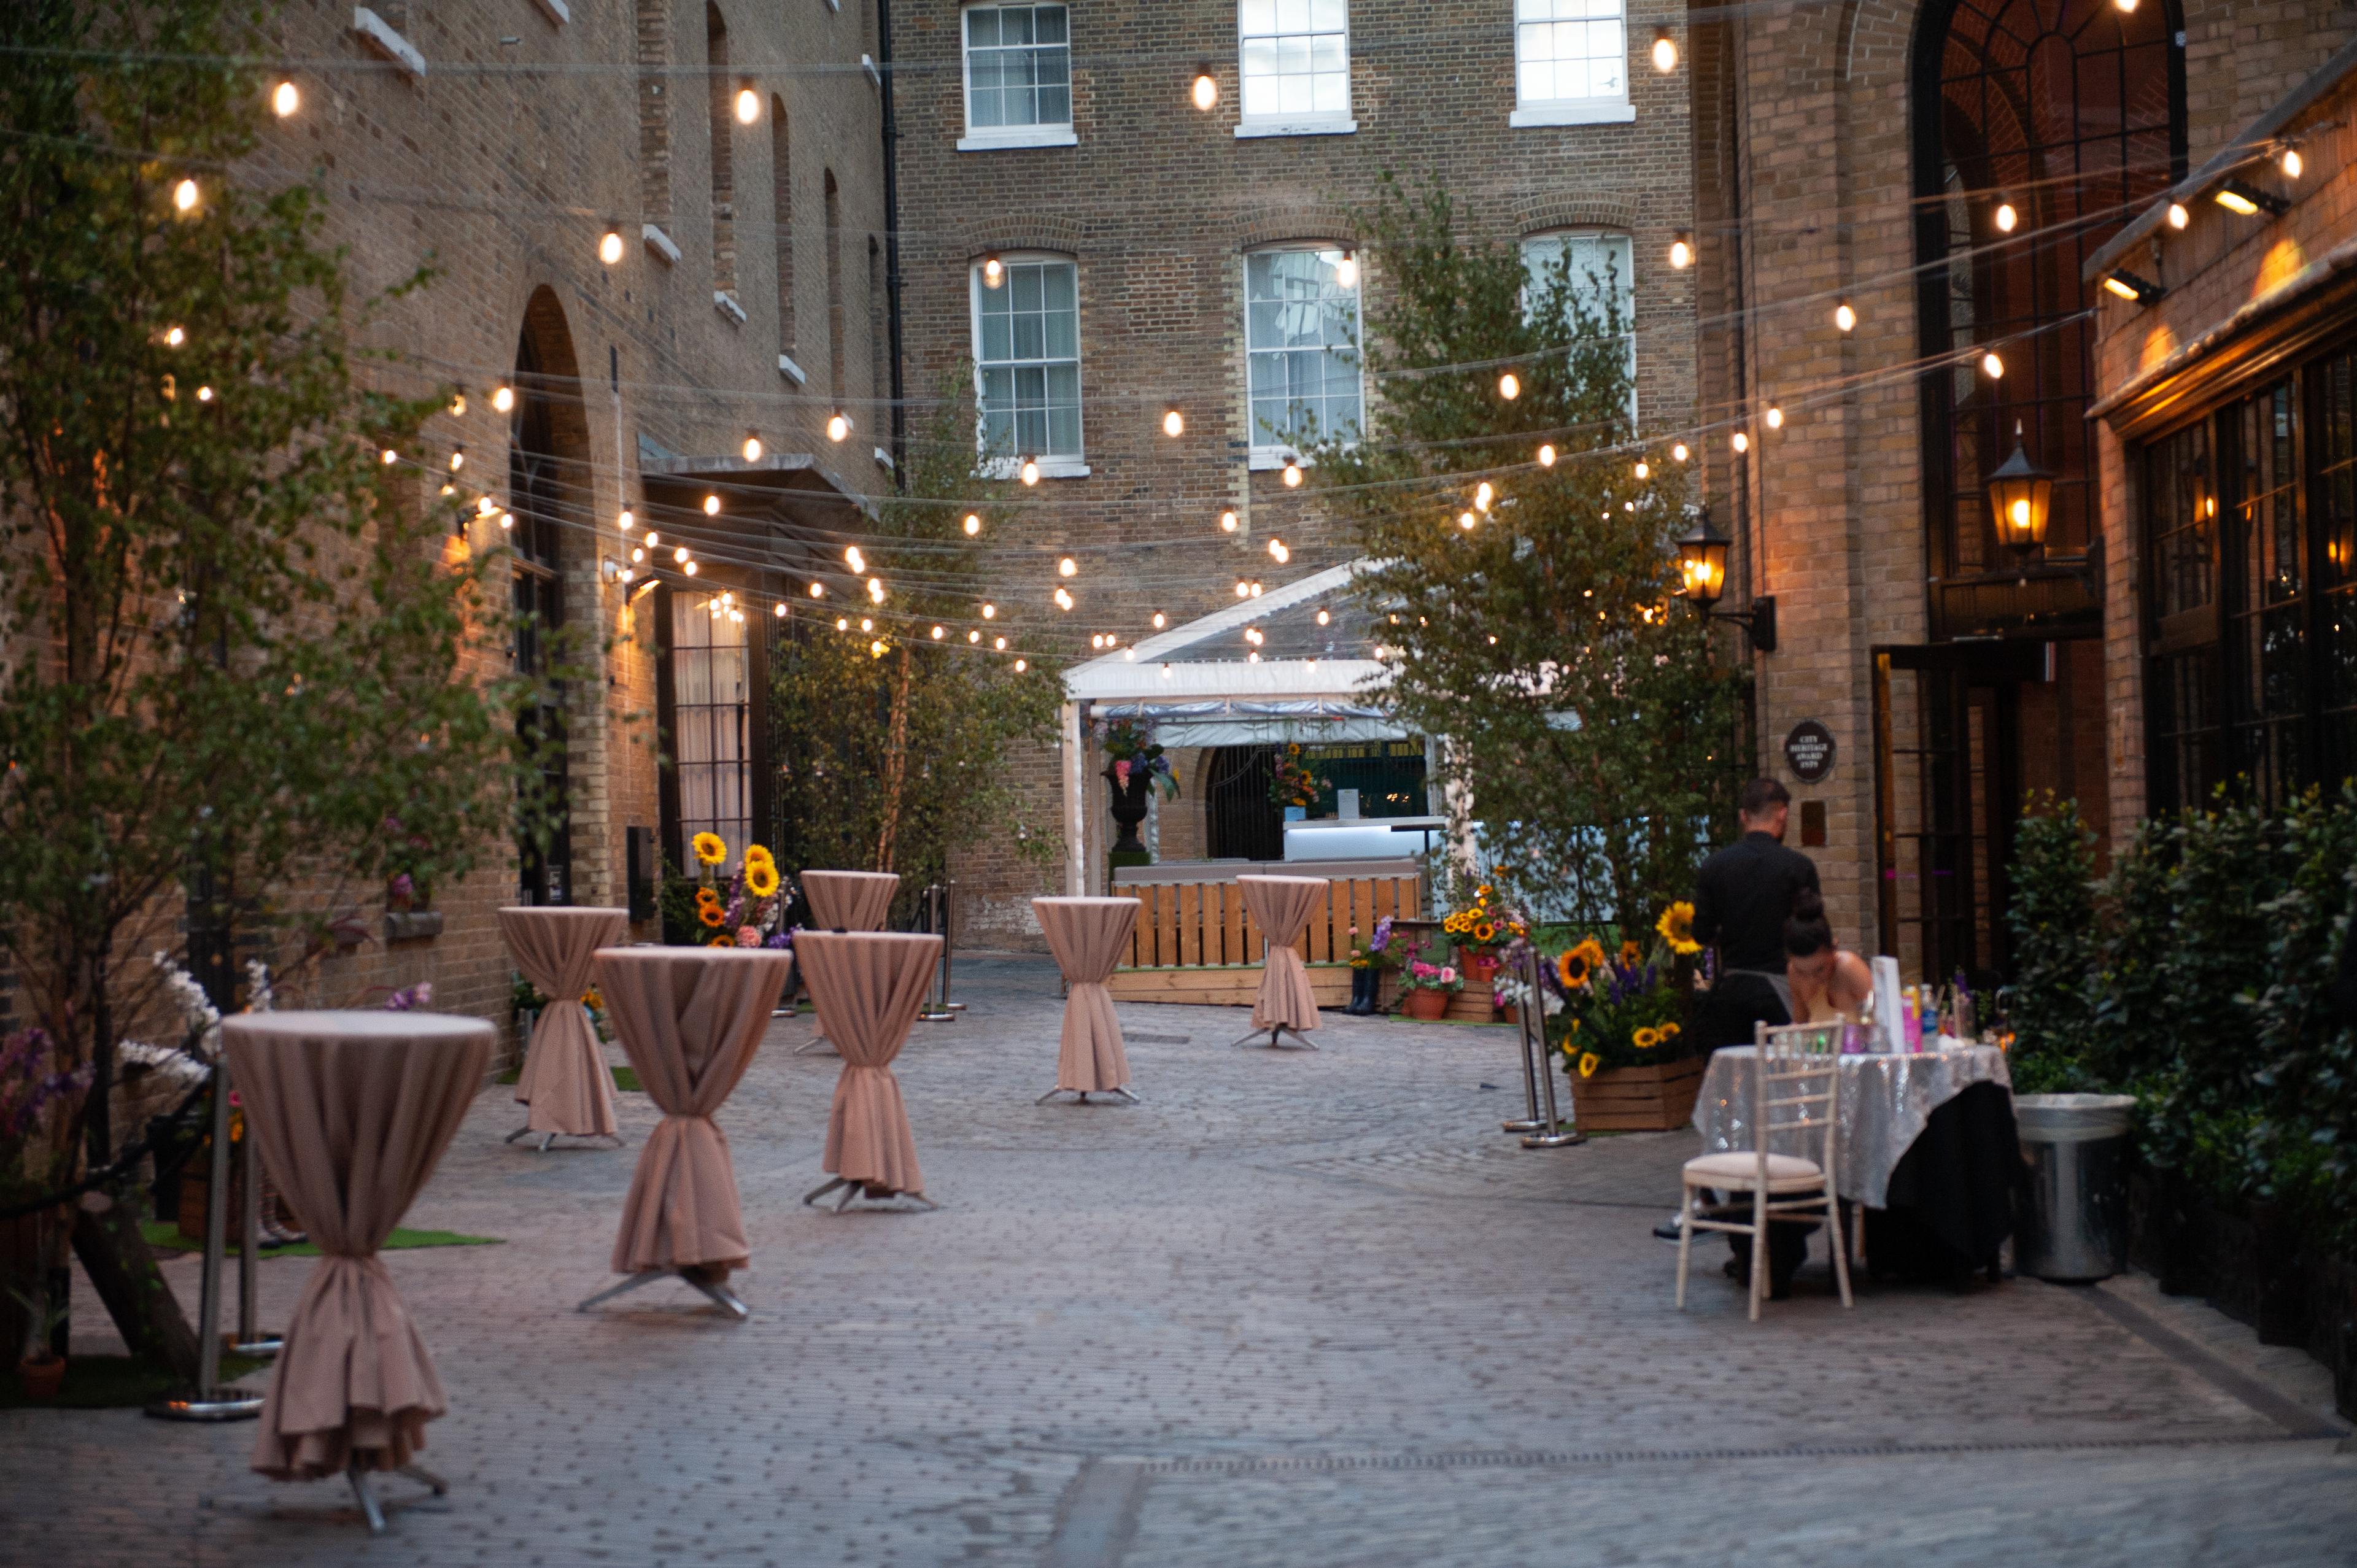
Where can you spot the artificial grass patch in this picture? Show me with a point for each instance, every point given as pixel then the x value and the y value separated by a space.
pixel 626 1079
pixel 111 1382
pixel 166 1237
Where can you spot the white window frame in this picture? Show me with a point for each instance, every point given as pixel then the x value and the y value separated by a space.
pixel 998 138
pixel 1628 282
pixel 1061 466
pixel 1341 124
pixel 1570 110
pixel 703 744
pixel 1265 453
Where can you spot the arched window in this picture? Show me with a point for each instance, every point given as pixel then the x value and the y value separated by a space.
pixel 720 95
pixel 2041 126
pixel 781 216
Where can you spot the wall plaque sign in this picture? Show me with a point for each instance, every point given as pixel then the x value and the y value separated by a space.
pixel 1809 751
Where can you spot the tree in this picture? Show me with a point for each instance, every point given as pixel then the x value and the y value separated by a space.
pixel 1526 601
pixel 893 743
pixel 237 641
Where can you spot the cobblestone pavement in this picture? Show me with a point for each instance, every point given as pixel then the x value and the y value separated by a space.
pixel 1299 1308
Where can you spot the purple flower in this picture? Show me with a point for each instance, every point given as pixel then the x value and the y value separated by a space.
pixel 410 998
pixel 779 939
pixel 401 887
pixel 1383 936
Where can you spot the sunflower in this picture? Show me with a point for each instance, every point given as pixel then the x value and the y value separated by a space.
pixel 1630 954
pixel 721 940
pixel 590 999
pixel 1676 926
pixel 712 915
pixel 710 848
pixel 1484 932
pixel 1572 969
pixel 1646 1039
pixel 707 898
pixel 758 854
pixel 1588 1064
pixel 761 877
pixel 1593 951
pixel 1666 1031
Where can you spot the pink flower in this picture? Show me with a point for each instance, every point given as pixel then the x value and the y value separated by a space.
pixel 1448 973
pixel 748 936
pixel 1121 772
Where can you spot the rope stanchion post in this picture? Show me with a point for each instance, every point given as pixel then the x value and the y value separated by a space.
pixel 936 909
pixel 949 941
pixel 251 1339
pixel 1532 1071
pixel 210 1401
pixel 1553 1134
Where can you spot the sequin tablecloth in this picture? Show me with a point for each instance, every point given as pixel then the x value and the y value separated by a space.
pixel 1886 1102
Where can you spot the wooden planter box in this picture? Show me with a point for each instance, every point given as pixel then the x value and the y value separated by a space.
pixel 1636 1099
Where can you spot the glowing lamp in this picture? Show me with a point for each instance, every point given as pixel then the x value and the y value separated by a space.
pixel 2021 495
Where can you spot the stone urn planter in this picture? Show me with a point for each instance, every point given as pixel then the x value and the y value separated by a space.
pixel 1128 809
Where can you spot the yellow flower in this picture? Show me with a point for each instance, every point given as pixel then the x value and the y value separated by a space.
pixel 1572 969
pixel 1592 951
pixel 1646 1039
pixel 590 999
pixel 761 877
pixel 1483 931
pixel 710 848
pixel 1629 954
pixel 1666 1030
pixel 722 939
pixel 712 915
pixel 1676 926
pixel 707 898
pixel 1588 1064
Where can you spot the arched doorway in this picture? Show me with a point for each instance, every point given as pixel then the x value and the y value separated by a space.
pixel 548 478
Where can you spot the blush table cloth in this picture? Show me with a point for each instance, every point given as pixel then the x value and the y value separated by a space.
pixel 1281 906
pixel 352 1111
pixel 850 900
pixel 690 1019
pixel 869 987
pixel 564 1081
pixel 1088 938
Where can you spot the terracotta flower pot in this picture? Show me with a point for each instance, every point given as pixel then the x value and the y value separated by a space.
pixel 1424 1004
pixel 42 1378
pixel 1481 968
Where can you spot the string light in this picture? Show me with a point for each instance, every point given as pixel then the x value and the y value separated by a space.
pixel 2292 163
pixel 1510 386
pixel 449 489
pixel 749 106
pixel 1030 474
pixel 388 457
pixel 1243 589
pixel 1844 316
pixel 712 506
pixel 939 633
pixel 184 195
pixel 1255 587
pixel 1324 617
pixel 626 521
pixel 1160 620
pixel 1775 419
pixel 1482 496
pixel 1174 424
pixel 843 623
pixel 1741 442
pixel 876 648
pixel 485 506
pixel 1278 552
pixel 866 623
pixel 1666 54
pixel 1546 455
pixel 972 524
pixel 1644 469
pixel 972 636
pixel 284 100
pixel 1346 271
pixel 2126 8
pixel 610 247
pixel 875 589
pixel 752 448
pixel 818 590
pixel 1465 520
pixel 1068 567
pixel 458 405
pixel 1020 665
pixel 989 612
pixel 1293 475
pixel 1227 523
pixel 457 459
pixel 2178 217
pixel 1679 452
pixel 2005 218
pixel 653 539
pixel 993 272
pixel 999 644
pixel 1682 251
pixel 1206 90
pixel 854 559
pixel 503 398
pixel 1063 599
pixel 507 520
pixel 837 427
pixel 1993 367
pixel 780 609
pixel 1096 640
pixel 680 556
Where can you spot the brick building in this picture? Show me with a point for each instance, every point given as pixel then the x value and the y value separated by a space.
pixel 660 232
pixel 1109 254
pixel 1947 172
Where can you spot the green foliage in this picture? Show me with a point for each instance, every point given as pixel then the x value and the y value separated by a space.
pixel 891 759
pixel 2199 978
pixel 238 639
pixel 1600 741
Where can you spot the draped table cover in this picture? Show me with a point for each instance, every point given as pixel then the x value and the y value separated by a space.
pixel 1088 938
pixel 1886 1102
pixel 850 900
pixel 565 1080
pixel 690 1019
pixel 353 1111
pixel 868 986
pixel 1283 905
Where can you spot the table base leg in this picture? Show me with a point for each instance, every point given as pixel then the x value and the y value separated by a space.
pixel 373 1512
pixel 814 1045
pixel 1277 1038
pixel 718 1294
pixel 852 1189
pixel 1084 1094
pixel 548 1138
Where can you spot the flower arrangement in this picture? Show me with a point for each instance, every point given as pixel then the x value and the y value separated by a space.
pixel 748 910
pixel 1620 1008
pixel 1131 749
pixel 1423 976
pixel 1482 924
pixel 527 998
pixel 1676 926
pixel 1294 782
pixel 1375 952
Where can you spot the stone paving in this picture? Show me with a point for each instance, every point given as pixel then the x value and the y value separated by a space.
pixel 1298 1308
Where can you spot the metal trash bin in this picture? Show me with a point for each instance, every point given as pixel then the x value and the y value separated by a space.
pixel 2074 1218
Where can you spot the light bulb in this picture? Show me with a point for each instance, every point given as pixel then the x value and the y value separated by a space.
pixel 1844 316
pixel 388 457
pixel 854 559
pixel 1324 616
pixel 1546 455
pixel 1681 252
pixel 1227 523
pixel 1096 640
pixel 507 520
pixel 1243 589
pixel 999 644
pixel 1644 469
pixel 993 272
pixel 1063 599
pixel 875 589
pixel 2178 217
pixel 1679 451
pixel 1174 422
pixel 1020 665
pixel 1775 419
pixel 818 590
pixel 503 398
pixel 653 539
pixel 972 524
pixel 2126 7
pixel 610 247
pixel 2292 163
pixel 778 610
pixel 1030 474
pixel 1277 550
pixel 1510 386
pixel 1741 442
pixel 712 506
pixel 1068 567
pixel 1346 271
pixel 1666 54
pixel 637 555
pixel 2005 218
pixel 989 612
pixel 626 521
pixel 972 636
pixel 939 633
pixel 184 195
pixel 838 427
pixel 449 489
pixel 1482 496
pixel 1293 476
pixel 749 106
pixel 843 623
pixel 1465 520
pixel 876 648
pixel 284 100
pixel 485 506
pixel 458 405
pixel 1993 367
pixel 680 556
pixel 1206 90
pixel 866 623
pixel 752 448
pixel 1160 620
pixel 457 459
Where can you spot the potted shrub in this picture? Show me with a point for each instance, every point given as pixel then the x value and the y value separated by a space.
pixel 1425 988
pixel 41 1368
pixel 1618 1036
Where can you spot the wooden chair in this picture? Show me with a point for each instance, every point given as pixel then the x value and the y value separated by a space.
pixel 1795 1084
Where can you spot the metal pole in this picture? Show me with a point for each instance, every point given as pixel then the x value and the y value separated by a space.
pixel 949 941
pixel 251 1340
pixel 1552 1136
pixel 934 1012
pixel 1530 1122
pixel 208 1402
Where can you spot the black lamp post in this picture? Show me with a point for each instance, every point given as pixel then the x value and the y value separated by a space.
pixel 1702 564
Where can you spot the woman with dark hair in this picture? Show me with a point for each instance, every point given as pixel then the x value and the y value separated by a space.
pixel 1822 980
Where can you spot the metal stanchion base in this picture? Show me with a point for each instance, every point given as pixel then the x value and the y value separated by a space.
pixel 931 1016
pixel 954 1006
pixel 263 1349
pixel 221 1405
pixel 1084 1094
pixel 717 1293
pixel 1523 1125
pixel 370 1510
pixel 1555 1139
pixel 868 1190
pixel 1276 1040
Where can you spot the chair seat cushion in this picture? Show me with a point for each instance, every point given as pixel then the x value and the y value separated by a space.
pixel 1742 1169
